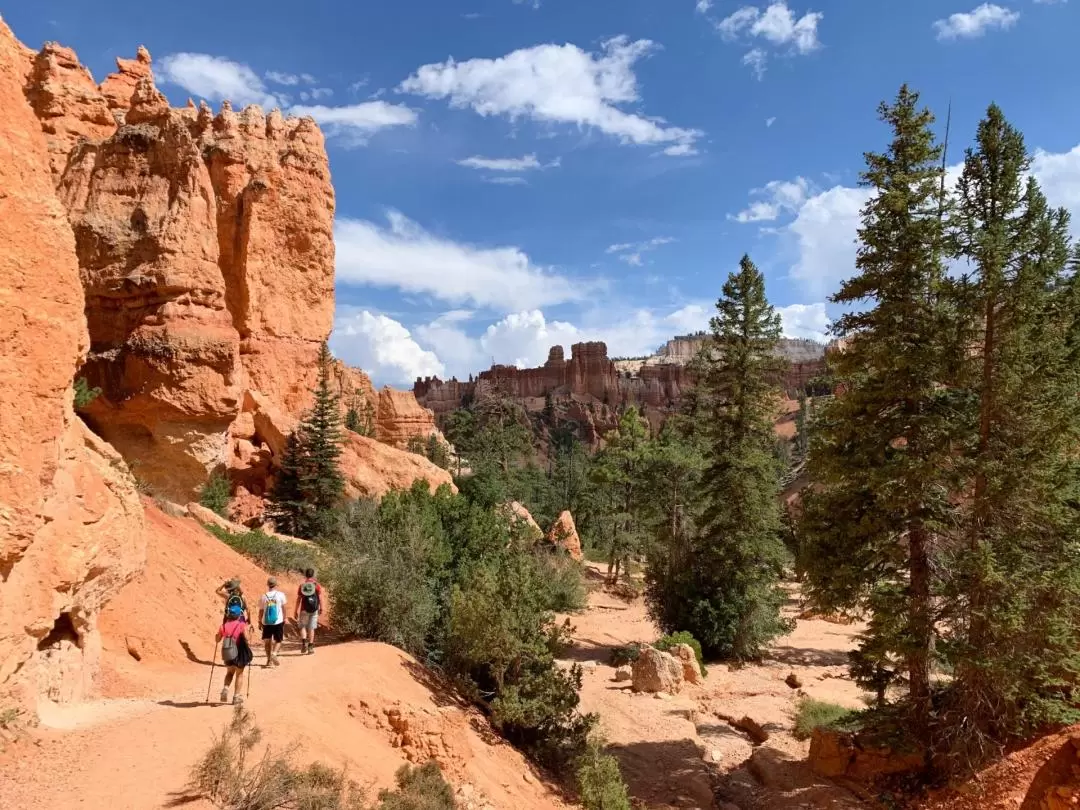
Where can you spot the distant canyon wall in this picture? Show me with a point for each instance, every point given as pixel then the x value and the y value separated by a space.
pixel 594 389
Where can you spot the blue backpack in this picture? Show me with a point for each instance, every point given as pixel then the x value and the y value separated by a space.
pixel 272 613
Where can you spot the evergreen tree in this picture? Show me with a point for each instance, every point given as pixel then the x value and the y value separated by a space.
pixel 310 486
pixel 617 474
pixel 1015 590
pixel 881 461
pixel 727 592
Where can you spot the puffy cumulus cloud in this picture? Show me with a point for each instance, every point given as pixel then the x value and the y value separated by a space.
pixel 779 196
pixel 401 254
pixel 216 78
pixel 383 347
pixel 1059 175
pixel 560 84
pixel 703 6
pixel 356 123
pixel 975 23
pixel 807 321
pixel 775 25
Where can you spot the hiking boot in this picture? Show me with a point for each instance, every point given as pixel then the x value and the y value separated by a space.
pixel 303 648
pixel 311 649
pixel 238 700
pixel 224 695
pixel 275 661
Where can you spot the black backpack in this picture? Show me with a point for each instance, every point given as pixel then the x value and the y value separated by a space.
pixel 309 597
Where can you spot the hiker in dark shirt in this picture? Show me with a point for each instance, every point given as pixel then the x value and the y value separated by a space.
pixel 236 653
pixel 231 593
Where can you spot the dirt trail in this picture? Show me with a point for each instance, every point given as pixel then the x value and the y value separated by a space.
pixel 678 752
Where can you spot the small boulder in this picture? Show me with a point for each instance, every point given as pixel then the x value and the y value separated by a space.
pixel 688 660
pixel 753 730
pixel 793 681
pixel 134 647
pixel 656 671
pixel 563 534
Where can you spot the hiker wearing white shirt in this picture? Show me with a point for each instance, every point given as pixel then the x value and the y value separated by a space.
pixel 272 620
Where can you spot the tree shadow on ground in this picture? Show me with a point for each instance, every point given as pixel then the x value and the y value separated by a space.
pixel 671 772
pixel 806 657
pixel 773 778
pixel 442 690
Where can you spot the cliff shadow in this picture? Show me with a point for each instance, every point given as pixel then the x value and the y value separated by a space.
pixel 665 773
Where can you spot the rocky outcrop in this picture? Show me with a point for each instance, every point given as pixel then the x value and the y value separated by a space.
pixel 590 389
pixel 563 534
pixel 656 671
pixel 206 254
pixel 372 469
pixel 837 754
pixel 71 523
pixel 688 660
pixel 521 517
pixel 399 418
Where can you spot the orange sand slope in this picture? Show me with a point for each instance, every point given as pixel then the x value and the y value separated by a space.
pixel 366 706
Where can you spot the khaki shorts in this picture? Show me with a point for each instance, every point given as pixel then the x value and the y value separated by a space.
pixel 308 621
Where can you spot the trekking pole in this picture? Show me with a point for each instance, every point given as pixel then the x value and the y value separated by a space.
pixel 213 662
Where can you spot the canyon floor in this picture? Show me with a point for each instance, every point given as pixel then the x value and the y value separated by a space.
pixel 679 751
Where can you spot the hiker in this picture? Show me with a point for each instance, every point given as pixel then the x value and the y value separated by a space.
pixel 308 607
pixel 272 620
pixel 236 653
pixel 232 594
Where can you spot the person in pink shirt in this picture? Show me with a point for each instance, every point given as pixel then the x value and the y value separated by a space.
pixel 236 653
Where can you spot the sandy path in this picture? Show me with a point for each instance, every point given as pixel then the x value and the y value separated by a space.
pixel 678 752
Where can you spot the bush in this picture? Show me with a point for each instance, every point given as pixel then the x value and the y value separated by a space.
pixel 84 394
pixel 600 781
pixel 563 585
pixel 812 714
pixel 269 553
pixel 682 637
pixel 422 788
pixel 230 778
pixel 214 494
pixel 625 655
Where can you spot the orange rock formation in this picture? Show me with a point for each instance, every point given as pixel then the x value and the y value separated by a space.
pixel 71 524
pixel 205 247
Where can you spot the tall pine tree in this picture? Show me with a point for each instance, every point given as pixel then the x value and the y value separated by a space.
pixel 727 594
pixel 880 462
pixel 1015 588
pixel 310 486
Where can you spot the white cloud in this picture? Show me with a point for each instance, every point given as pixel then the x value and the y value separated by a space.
pixel 401 254
pixel 507 164
pixel 357 122
pixel 770 121
pixel 756 59
pixel 559 84
pixel 777 24
pixel 383 347
pixel 680 150
pixel 503 180
pixel 703 6
pixel 975 23
pixel 806 321
pixel 782 196
pixel 535 4
pixel 1059 176
pixel 630 252
pixel 214 78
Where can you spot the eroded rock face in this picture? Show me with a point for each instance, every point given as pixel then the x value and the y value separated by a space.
pixel 206 254
pixel 71 523
pixel 564 534
pixel 518 515
pixel 400 418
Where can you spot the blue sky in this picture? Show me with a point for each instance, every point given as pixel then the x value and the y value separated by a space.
pixel 511 175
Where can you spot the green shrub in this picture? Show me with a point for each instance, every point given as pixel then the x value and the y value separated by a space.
pixel 562 582
pixel 422 788
pixel 599 780
pixel 84 394
pixel 214 494
pixel 682 637
pixel 269 553
pixel 625 655
pixel 812 714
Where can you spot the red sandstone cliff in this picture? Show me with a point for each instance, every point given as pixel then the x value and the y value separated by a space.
pixel 206 254
pixel 71 524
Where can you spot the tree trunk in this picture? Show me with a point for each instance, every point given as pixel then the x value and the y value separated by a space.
pixel 920 624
